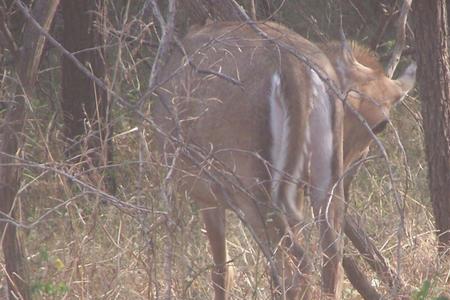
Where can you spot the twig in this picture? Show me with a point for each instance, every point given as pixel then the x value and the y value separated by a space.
pixel 88 188
pixel 400 40
pixel 215 73
pixel 384 23
pixel 7 219
pixel 205 71
pixel 6 34
pixel 358 11
pixel 168 29
pixel 253 9
pixel 168 196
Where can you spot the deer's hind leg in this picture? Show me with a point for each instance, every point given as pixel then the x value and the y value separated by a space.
pixel 222 273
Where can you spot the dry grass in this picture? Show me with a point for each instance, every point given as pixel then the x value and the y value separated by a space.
pixel 89 249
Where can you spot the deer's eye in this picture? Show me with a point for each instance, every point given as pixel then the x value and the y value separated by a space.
pixel 380 127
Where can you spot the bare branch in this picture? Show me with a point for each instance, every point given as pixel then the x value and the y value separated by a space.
pixel 205 71
pixel 191 151
pixel 168 196
pixel 371 254
pixel 401 39
pixel 88 188
pixel 168 31
pixel 383 25
pixel 359 280
pixel 5 33
pixel 32 50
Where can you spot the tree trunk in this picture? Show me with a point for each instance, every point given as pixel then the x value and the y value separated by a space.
pixel 17 275
pixel 26 65
pixel 85 106
pixel 434 82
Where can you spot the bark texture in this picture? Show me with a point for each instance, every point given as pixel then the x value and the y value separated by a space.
pixel 85 106
pixel 434 82
pixel 26 66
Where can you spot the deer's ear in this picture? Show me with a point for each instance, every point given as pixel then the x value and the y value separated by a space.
pixel 349 69
pixel 347 54
pixel 407 80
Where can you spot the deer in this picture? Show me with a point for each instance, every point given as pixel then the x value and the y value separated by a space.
pixel 253 126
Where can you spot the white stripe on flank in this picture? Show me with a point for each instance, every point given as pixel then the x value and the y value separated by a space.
pixel 292 187
pixel 321 147
pixel 280 130
pixel 279 126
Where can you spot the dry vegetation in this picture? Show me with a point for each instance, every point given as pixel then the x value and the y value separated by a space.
pixel 90 249
pixel 86 247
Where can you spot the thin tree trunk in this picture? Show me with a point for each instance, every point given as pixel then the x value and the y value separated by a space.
pixel 11 139
pixel 434 82
pixel 85 106
pixel 359 281
pixel 371 254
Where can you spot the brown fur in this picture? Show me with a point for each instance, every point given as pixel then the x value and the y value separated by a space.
pixel 361 53
pixel 231 125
